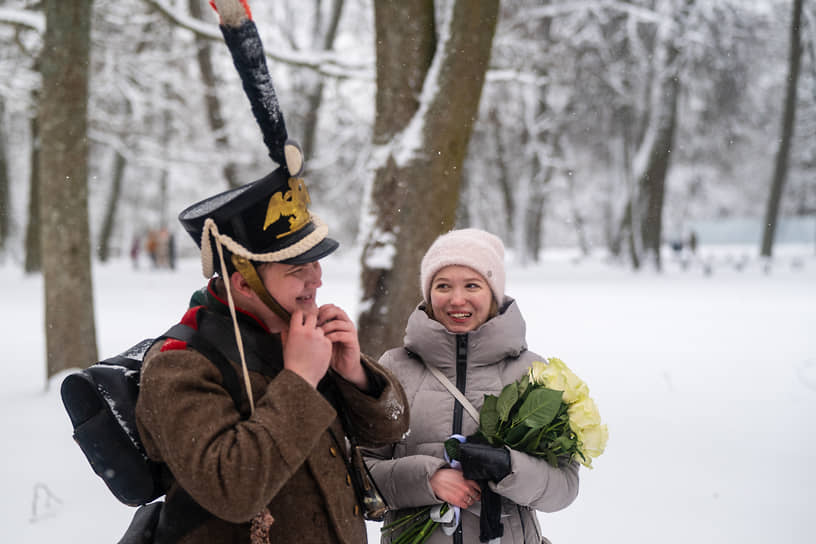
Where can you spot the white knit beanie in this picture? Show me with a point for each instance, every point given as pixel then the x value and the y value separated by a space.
pixel 474 248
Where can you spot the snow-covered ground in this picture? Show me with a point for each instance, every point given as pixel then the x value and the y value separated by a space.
pixel 706 381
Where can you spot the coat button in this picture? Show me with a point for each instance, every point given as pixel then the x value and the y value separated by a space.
pixel 356 510
pixel 333 451
pixel 348 479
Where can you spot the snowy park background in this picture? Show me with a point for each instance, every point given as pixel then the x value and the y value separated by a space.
pixel 706 381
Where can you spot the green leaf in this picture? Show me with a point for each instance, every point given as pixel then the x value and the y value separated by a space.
pixel 515 435
pixel 567 444
pixel 507 399
pixel 524 443
pixel 452 448
pixel 523 384
pixel 540 407
pixel 533 446
pixel 489 417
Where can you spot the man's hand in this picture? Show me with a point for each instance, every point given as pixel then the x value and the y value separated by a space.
pixel 345 356
pixel 307 351
pixel 450 486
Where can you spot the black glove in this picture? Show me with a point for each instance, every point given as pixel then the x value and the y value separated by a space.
pixel 490 525
pixel 484 462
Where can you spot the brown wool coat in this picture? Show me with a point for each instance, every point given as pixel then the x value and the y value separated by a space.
pixel 283 457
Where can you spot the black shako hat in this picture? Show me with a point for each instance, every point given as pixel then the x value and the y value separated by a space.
pixel 267 220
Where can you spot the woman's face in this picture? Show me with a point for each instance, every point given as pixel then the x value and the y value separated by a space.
pixel 460 298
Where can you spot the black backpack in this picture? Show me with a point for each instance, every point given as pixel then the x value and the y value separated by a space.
pixel 101 403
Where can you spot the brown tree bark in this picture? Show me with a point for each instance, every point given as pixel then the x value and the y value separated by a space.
pixel 504 182
pixel 214 116
pixel 314 96
pixel 417 179
pixel 788 117
pixel 106 232
pixel 653 181
pixel 645 211
pixel 33 252
pixel 64 234
pixel 5 201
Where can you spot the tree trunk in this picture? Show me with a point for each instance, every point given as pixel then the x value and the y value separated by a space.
pixel 64 234
pixel 654 153
pixel 105 233
pixel 5 194
pixel 314 96
pixel 506 186
pixel 653 182
pixel 33 251
pixel 214 117
pixel 788 118
pixel 427 100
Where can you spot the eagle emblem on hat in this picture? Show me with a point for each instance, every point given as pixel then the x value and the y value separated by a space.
pixel 294 204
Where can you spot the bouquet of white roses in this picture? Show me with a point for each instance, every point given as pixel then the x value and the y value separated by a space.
pixel 547 413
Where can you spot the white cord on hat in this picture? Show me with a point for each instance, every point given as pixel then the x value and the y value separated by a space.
pixel 238 340
pixel 304 244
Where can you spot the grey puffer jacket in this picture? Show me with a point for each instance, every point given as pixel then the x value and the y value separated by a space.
pixel 490 357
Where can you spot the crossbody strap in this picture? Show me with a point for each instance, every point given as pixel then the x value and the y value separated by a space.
pixel 474 413
pixel 229 377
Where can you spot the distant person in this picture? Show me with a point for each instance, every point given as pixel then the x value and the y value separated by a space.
pixel 162 248
pixel 171 251
pixel 152 247
pixel 135 246
pixel 467 328
pixel 692 242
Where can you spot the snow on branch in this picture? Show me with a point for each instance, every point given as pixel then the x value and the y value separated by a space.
pixel 410 143
pixel 525 76
pixel 325 63
pixel 23 18
pixel 566 8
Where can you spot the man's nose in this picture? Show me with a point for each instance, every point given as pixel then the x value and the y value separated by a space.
pixel 315 274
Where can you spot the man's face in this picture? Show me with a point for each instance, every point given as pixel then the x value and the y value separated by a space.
pixel 294 286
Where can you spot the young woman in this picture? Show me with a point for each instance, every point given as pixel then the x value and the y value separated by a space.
pixel 475 335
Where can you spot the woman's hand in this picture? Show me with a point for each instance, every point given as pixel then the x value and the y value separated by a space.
pixel 450 486
pixel 345 357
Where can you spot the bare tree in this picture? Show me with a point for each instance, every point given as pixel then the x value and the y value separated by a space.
pixel 429 81
pixel 110 211
pixel 788 118
pixel 33 252
pixel 64 234
pixel 324 39
pixel 5 201
pixel 212 102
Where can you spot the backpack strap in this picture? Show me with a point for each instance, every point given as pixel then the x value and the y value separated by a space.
pixel 195 340
pixel 177 518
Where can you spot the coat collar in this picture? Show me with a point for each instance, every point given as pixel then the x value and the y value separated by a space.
pixel 498 338
pixel 209 297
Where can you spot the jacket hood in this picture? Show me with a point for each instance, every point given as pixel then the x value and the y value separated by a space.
pixel 498 338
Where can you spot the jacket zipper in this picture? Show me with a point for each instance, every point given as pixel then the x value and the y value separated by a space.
pixel 461 380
